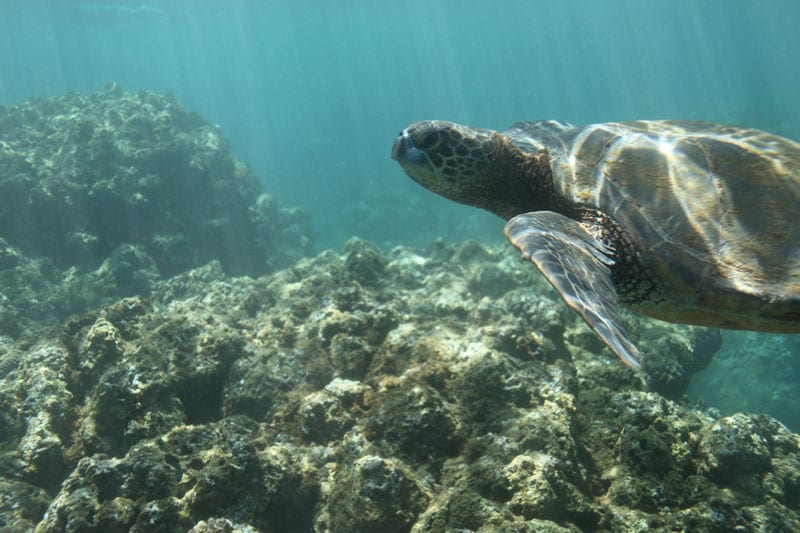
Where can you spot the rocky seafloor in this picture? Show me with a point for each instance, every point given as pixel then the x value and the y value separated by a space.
pixel 159 377
pixel 444 390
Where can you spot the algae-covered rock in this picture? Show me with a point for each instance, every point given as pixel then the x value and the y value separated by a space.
pixel 83 174
pixel 103 194
pixel 193 471
pixel 734 447
pixel 326 415
pixel 21 505
pixel 439 390
pixel 376 495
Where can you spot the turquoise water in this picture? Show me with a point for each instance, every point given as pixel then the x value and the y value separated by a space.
pixel 311 94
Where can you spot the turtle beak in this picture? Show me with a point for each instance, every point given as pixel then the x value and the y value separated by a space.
pixel 405 152
pixel 400 145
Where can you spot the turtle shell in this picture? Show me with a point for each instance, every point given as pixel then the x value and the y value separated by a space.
pixel 713 212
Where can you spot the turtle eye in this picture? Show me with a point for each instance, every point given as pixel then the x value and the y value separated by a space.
pixel 429 139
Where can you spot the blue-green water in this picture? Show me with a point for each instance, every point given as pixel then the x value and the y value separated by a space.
pixel 311 94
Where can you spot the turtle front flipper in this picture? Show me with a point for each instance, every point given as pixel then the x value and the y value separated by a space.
pixel 577 265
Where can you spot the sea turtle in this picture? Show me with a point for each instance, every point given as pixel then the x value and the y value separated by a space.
pixel 686 222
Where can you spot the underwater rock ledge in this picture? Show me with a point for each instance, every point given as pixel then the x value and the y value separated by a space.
pixel 438 390
pixel 103 194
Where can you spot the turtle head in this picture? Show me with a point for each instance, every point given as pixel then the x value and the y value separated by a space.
pixel 447 158
pixel 467 165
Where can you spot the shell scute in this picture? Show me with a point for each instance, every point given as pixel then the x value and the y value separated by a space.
pixel 713 211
